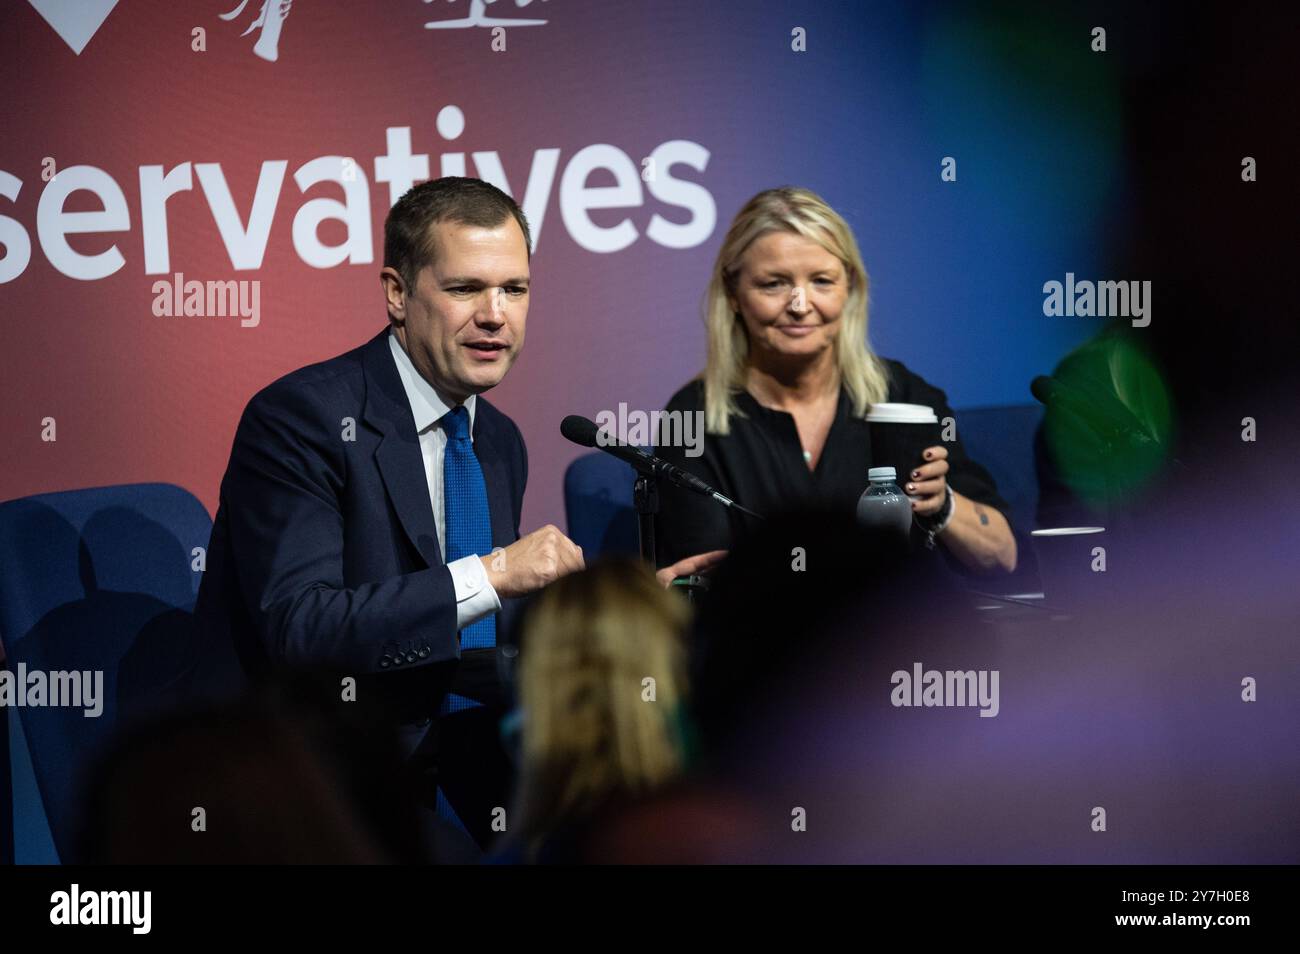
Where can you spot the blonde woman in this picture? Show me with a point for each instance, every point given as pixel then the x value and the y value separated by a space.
pixel 601 689
pixel 789 379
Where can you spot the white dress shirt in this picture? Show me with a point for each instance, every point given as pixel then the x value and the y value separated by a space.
pixel 475 596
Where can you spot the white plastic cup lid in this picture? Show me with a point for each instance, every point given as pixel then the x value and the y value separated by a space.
pixel 901 414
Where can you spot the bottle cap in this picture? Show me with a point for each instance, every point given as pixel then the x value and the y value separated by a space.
pixel 882 473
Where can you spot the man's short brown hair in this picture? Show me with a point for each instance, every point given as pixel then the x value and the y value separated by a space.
pixel 408 230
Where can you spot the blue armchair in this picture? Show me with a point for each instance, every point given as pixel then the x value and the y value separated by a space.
pixel 91 580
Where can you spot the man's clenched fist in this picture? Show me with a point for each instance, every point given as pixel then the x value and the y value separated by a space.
pixel 531 562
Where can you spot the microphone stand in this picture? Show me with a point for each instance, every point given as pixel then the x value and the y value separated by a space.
pixel 645 492
pixel 645 496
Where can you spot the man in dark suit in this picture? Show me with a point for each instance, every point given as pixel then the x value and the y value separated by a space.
pixel 368 527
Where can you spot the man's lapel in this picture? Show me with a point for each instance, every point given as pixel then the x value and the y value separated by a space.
pixel 401 465
pixel 496 475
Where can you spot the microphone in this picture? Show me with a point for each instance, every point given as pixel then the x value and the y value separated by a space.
pixel 582 431
pixel 1053 394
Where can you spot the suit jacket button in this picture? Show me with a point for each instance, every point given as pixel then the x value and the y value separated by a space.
pixel 385 662
pixel 411 657
pixel 424 652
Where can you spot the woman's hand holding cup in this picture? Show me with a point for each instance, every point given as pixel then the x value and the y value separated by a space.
pixel 927 484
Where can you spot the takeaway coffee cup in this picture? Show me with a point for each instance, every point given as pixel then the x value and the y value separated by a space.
pixel 900 433
pixel 1070 567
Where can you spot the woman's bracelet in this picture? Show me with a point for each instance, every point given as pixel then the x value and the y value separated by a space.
pixel 933 526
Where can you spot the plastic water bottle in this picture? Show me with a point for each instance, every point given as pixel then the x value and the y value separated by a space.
pixel 883 507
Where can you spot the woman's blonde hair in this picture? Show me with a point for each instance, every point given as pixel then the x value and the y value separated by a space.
pixel 590 734
pixel 803 212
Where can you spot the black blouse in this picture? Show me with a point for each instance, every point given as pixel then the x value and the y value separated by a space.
pixel 760 465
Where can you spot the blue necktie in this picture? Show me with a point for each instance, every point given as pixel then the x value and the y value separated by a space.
pixel 467 525
pixel 467 529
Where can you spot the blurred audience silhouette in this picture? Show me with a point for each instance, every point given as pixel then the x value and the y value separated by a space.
pixel 601 691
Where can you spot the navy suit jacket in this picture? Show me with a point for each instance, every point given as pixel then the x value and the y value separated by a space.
pixel 324 555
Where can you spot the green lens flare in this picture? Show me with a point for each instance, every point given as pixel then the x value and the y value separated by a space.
pixel 1115 388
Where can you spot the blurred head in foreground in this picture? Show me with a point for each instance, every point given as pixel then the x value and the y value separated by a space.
pixel 280 777
pixel 601 686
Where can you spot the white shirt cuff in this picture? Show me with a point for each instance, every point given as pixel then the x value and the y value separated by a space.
pixel 475 595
